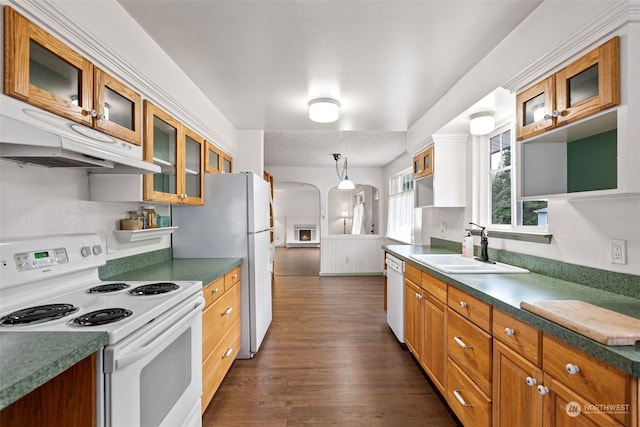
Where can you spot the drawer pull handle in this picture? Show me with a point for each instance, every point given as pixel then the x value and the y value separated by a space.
pixel 463 304
pixel 227 353
pixel 456 393
pixel 227 311
pixel 215 291
pixel 542 390
pixel 572 369
pixel 509 332
pixel 531 381
pixel 461 343
pixel 235 276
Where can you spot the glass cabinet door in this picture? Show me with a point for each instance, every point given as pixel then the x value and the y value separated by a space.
pixel 44 72
pixel 118 108
pixel 193 174
pixel 227 163
pixel 161 148
pixel 534 109
pixel 590 84
pixel 213 159
pixel 427 162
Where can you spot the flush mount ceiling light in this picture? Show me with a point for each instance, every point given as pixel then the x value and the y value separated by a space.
pixel 324 110
pixel 345 182
pixel 482 123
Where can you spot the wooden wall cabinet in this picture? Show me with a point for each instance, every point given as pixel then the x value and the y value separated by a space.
pixel 216 160
pixel 582 88
pixel 44 72
pixel 444 186
pixel 220 331
pixel 423 163
pixel 179 152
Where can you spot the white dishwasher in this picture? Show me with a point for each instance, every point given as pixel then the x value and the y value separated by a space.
pixel 395 295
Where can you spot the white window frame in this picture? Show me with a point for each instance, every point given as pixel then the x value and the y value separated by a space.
pixel 481 208
pixel 402 185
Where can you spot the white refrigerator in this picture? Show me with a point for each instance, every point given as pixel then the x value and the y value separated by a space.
pixel 234 223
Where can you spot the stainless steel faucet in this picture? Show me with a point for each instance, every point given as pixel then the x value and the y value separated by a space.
pixel 484 243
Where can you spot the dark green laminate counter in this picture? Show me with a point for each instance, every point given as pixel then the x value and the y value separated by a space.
pixel 30 359
pixel 205 270
pixel 506 291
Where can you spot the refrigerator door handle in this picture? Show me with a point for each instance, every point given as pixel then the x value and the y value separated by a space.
pixel 252 233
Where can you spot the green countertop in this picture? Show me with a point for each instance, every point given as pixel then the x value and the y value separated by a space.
pixel 505 291
pixel 30 359
pixel 205 270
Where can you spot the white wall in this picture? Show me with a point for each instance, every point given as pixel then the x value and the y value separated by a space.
pixel 250 154
pixel 325 179
pixel 35 200
pixel 582 229
pixel 290 204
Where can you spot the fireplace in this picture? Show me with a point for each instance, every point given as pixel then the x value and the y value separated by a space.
pixel 304 235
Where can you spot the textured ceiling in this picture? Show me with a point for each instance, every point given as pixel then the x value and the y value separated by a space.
pixel 387 62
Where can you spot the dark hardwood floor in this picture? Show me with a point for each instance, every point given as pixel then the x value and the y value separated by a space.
pixel 329 358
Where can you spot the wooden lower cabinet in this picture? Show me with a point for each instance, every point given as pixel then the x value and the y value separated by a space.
pixel 470 404
pixel 68 399
pixel 220 331
pixel 515 395
pixel 414 318
pixel 435 354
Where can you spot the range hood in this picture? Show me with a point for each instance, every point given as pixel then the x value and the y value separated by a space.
pixel 31 135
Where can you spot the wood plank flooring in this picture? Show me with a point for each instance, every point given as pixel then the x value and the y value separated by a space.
pixel 329 358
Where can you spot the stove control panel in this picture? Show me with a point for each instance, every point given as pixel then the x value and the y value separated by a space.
pixel 34 260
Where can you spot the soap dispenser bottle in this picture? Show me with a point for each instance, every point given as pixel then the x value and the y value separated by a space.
pixel 467 246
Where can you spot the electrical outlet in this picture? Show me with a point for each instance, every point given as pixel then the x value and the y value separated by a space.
pixel 619 251
pixel 111 244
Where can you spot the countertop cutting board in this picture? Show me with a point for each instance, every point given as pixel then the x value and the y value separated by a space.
pixel 597 323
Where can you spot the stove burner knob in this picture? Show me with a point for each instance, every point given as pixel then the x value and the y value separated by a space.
pixel 85 251
pixel 97 249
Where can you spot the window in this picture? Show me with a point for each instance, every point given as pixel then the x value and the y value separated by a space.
pixel 402 215
pixel 504 209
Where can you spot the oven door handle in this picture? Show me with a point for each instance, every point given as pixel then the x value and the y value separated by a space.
pixel 118 358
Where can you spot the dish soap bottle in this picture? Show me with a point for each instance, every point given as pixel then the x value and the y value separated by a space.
pixel 467 246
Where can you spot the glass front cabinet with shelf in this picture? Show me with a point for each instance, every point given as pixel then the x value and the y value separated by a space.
pixel 179 152
pixel 423 163
pixel 585 87
pixel 46 73
pixel 590 149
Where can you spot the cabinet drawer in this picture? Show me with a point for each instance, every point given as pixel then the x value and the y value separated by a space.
pixel 470 348
pixel 471 406
pixel 435 287
pixel 213 291
pixel 231 278
pixel 524 339
pixel 470 307
pixel 217 319
pixel 596 381
pixel 217 364
pixel 412 273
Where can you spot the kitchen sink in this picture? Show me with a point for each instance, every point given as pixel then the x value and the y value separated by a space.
pixel 457 264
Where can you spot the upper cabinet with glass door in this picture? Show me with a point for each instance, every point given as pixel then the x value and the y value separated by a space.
pixel 43 71
pixel 423 163
pixel 584 87
pixel 179 152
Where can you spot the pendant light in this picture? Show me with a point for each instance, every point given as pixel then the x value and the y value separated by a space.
pixel 345 182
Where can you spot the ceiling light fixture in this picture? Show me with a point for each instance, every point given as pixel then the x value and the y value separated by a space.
pixel 482 123
pixel 324 110
pixel 345 182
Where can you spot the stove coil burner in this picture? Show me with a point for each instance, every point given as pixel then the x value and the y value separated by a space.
pixel 38 314
pixel 109 287
pixel 154 289
pixel 102 317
